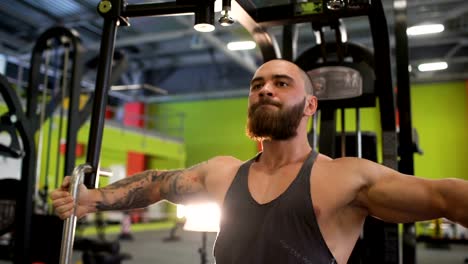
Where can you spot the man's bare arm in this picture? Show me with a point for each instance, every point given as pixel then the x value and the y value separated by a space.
pixel 148 187
pixel 206 181
pixel 397 197
pixel 137 191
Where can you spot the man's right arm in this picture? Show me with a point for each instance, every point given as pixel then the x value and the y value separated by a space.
pixel 137 191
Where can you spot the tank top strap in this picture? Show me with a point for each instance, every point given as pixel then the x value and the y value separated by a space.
pixel 304 172
pixel 241 179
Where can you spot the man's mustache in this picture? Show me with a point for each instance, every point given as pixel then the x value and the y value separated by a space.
pixel 265 102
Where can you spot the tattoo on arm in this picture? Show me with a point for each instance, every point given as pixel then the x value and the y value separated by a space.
pixel 151 186
pixel 178 186
pixel 134 193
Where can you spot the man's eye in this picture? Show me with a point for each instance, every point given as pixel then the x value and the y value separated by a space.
pixel 256 86
pixel 281 84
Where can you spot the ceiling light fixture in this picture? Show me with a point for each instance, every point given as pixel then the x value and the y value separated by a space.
pixel 204 17
pixel 432 66
pixel 399 4
pixel 241 45
pixel 425 29
pixel 226 19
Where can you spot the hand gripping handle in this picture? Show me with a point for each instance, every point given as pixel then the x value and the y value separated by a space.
pixel 68 235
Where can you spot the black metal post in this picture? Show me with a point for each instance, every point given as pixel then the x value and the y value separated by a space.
pixel 405 148
pixel 378 24
pixel 24 206
pixel 290 36
pixel 73 110
pixel 100 97
pixel 202 249
pixel 265 41
pixel 327 138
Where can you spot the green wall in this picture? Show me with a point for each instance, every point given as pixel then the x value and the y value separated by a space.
pixel 441 118
pixel 213 127
pixel 117 141
pixel 216 127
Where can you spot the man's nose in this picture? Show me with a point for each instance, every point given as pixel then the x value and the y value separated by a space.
pixel 267 90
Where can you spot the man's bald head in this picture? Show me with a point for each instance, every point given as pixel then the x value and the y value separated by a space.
pixel 304 76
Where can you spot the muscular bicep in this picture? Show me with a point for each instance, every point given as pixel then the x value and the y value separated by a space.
pixel 182 186
pixel 395 197
pixel 202 182
pixel 151 186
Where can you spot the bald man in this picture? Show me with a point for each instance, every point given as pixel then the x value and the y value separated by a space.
pixel 288 204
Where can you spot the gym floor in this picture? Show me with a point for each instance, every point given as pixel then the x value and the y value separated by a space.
pixel 150 248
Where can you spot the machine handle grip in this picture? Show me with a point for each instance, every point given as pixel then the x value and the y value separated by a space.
pixel 68 235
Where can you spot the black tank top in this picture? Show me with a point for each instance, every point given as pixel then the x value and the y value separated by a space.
pixel 284 230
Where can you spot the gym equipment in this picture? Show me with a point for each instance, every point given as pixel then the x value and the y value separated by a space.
pixel 27 123
pixel 256 18
pixel 22 204
pixel 70 223
pixel 344 76
pixel 8 197
pixel 7 124
pixel 405 134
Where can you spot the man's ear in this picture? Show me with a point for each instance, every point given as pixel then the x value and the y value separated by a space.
pixel 311 105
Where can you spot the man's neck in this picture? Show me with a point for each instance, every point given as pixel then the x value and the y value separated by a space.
pixel 278 153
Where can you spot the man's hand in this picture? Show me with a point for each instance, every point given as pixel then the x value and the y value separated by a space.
pixel 63 202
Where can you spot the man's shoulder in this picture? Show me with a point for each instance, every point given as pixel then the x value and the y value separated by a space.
pixel 343 166
pixel 223 164
pixel 220 173
pixel 225 161
pixel 341 161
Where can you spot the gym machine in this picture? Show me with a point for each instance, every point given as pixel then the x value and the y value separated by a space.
pixel 54 79
pixel 385 246
pixel 43 99
pixel 256 19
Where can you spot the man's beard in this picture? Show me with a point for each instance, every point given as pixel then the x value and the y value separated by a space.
pixel 273 125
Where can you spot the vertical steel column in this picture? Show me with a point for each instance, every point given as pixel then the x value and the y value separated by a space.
pixel 106 54
pixel 343 133
pixel 24 204
pixel 390 250
pixel 290 36
pixel 406 163
pixel 74 105
pixel 358 133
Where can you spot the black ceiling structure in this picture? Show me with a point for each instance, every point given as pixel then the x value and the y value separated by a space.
pixel 166 51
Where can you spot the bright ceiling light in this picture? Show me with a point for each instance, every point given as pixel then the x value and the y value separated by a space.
pixel 241 45
pixel 399 4
pixel 433 66
pixel 204 27
pixel 218 6
pixel 425 29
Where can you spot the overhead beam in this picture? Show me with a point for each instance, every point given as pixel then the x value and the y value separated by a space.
pixel 189 60
pixel 245 62
pixel 439 77
pixel 454 50
pixel 460 10
pixel 39 10
pixel 198 96
pixel 454 60
pixel 17 15
pixel 416 3
pixel 12 40
pixel 145 38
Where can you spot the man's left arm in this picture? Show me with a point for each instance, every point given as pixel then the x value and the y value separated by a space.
pixel 396 197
